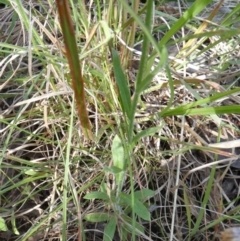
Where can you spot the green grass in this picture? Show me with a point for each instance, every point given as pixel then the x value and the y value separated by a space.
pixel 93 149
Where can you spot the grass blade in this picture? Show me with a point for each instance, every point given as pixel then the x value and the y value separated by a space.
pixel 196 8
pixel 233 109
pixel 123 88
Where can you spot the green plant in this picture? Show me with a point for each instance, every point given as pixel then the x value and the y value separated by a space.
pixel 119 202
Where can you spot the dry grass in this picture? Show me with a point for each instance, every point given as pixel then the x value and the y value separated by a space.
pixel 188 178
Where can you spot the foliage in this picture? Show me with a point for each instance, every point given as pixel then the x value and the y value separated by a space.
pixel 142 166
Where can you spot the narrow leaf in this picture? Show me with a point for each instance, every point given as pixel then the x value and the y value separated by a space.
pixel 127 224
pixel 148 132
pixel 113 170
pixel 196 8
pixel 142 211
pixel 122 84
pixel 208 100
pixel 3 226
pixel 144 193
pixel 219 110
pixel 96 195
pixel 188 211
pixel 139 208
pixel 74 64
pixel 14 227
pixel 119 160
pixel 118 153
pixel 110 230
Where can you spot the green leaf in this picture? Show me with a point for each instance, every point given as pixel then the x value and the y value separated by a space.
pixel 188 109
pixel 5 2
pixel 118 153
pixel 119 160
pixel 128 220
pixel 140 209
pixel 151 74
pixel 122 84
pixel 143 66
pixel 13 222
pixel 204 202
pixel 208 99
pixel 144 193
pixel 97 217
pixel 97 195
pixel 110 229
pixel 147 132
pixel 232 109
pixel 3 226
pixel 230 18
pixel 196 8
pixel 113 169
pixel 31 172
pixel 125 199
